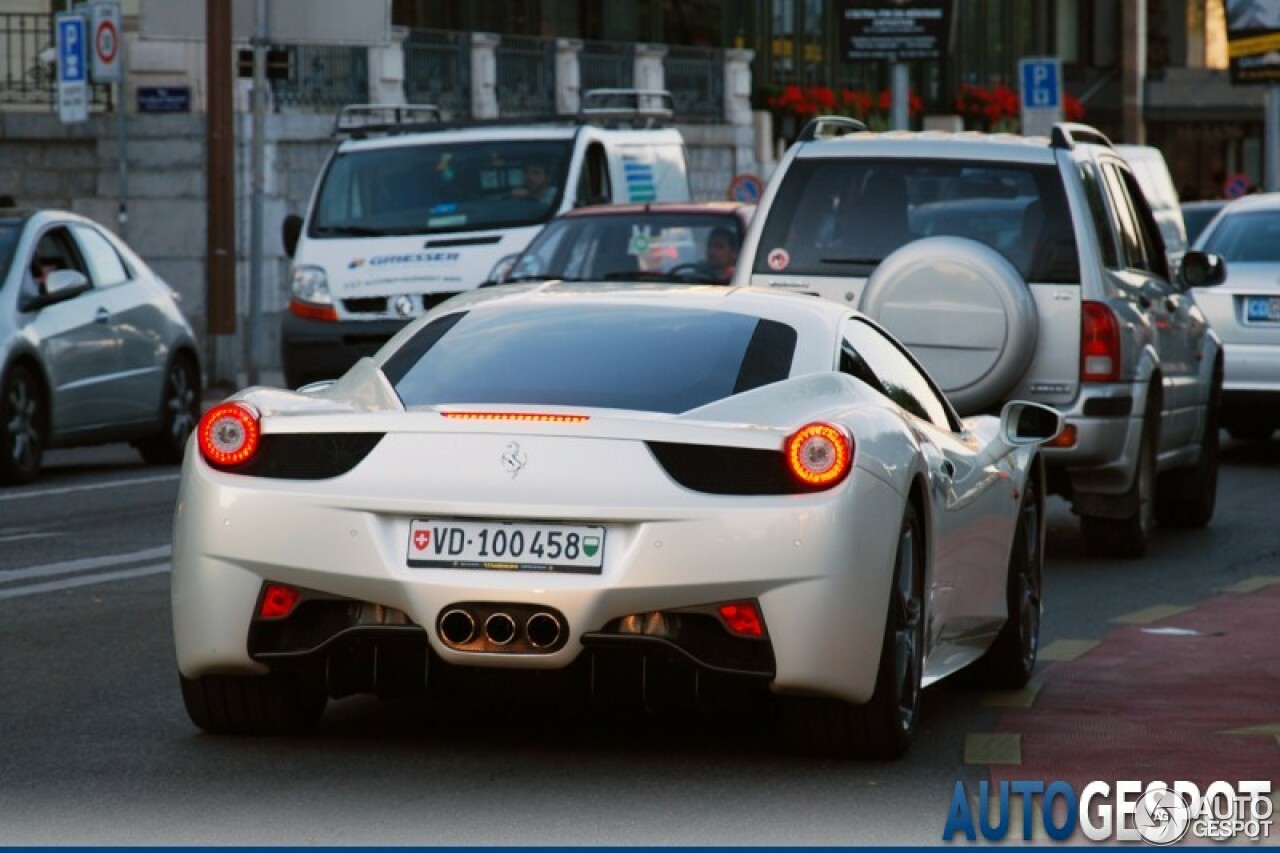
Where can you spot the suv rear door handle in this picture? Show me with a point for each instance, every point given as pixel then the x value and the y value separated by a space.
pixel 102 315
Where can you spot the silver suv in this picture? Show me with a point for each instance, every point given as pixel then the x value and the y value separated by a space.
pixel 1019 267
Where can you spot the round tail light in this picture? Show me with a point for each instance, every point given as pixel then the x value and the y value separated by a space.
pixel 819 454
pixel 229 434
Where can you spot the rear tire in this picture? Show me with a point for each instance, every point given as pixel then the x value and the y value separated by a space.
pixel 274 704
pixel 1187 496
pixel 1009 662
pixel 179 414
pixel 882 727
pixel 23 426
pixel 1128 537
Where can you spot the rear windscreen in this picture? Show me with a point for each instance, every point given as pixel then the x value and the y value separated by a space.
pixel 1246 237
pixel 843 217
pixel 638 357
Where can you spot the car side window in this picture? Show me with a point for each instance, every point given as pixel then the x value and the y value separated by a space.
pixel 1093 192
pixel 1148 228
pixel 55 250
pixel 105 265
pixel 867 354
pixel 1133 248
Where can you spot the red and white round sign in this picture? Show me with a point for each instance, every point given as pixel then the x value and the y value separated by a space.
pixel 106 40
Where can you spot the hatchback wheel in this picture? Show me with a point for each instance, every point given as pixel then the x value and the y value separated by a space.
pixel 22 426
pixel 179 414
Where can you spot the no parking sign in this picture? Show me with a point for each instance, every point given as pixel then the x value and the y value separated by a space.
pixel 104 40
pixel 746 188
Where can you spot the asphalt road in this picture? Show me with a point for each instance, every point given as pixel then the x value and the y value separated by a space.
pixel 98 750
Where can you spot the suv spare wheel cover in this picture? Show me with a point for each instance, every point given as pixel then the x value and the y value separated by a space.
pixel 963 311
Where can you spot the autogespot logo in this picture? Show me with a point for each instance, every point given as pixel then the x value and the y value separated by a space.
pixel 1157 813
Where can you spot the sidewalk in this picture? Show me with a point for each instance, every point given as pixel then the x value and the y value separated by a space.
pixel 1178 694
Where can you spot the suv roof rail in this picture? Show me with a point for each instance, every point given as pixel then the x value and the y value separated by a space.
pixel 1069 135
pixel 829 127
pixel 355 119
pixel 646 106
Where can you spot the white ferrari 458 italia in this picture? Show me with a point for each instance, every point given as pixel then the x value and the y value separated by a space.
pixel 655 492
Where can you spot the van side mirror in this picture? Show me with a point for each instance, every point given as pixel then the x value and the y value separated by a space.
pixel 290 232
pixel 1202 269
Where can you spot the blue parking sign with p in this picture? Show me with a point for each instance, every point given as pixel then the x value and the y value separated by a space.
pixel 1041 88
pixel 72 67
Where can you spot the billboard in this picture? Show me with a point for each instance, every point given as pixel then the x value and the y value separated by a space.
pixel 1253 40
pixel 896 30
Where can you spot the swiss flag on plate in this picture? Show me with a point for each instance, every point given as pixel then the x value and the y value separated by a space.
pixel 421 539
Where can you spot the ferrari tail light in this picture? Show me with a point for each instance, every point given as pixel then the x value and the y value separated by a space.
pixel 529 417
pixel 819 454
pixel 743 618
pixel 277 601
pixel 1099 344
pixel 229 434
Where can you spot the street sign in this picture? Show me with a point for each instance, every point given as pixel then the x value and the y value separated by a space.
pixel 73 85
pixel 896 30
pixel 104 31
pixel 1237 185
pixel 1040 94
pixel 746 188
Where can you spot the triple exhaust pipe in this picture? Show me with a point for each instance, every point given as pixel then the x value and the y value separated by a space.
pixel 501 628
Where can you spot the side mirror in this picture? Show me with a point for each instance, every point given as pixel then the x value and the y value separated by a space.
pixel 1023 423
pixel 290 232
pixel 501 269
pixel 1201 269
pixel 59 286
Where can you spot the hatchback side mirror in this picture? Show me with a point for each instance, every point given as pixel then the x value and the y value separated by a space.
pixel 290 233
pixel 1202 269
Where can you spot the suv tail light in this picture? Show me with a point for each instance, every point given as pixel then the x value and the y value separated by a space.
pixel 1099 344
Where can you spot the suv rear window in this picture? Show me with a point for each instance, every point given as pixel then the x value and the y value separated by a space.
pixel 843 217
pixel 642 358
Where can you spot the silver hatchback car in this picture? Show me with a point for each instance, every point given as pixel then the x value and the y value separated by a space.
pixel 93 346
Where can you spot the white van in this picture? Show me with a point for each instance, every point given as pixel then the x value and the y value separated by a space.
pixel 1152 172
pixel 408 213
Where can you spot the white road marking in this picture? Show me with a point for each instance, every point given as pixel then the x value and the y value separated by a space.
pixel 83 580
pixel 82 564
pixel 88 487
pixel 20 535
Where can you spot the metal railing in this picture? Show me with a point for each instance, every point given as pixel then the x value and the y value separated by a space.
pixel 437 70
pixel 28 70
pixel 695 78
pixel 606 65
pixel 526 75
pixel 323 78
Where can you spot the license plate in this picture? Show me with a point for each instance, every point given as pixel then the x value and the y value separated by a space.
pixel 509 545
pixel 1262 309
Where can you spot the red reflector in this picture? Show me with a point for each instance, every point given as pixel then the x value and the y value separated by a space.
pixel 742 617
pixel 1099 344
pixel 229 434
pixel 1066 438
pixel 310 311
pixel 533 417
pixel 278 601
pixel 819 454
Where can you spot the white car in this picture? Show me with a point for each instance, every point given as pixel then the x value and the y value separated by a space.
pixel 668 489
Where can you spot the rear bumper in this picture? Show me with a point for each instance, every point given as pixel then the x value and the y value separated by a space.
pixel 312 350
pixel 1105 454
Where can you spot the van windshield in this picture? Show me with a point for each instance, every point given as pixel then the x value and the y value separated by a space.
pixel 441 187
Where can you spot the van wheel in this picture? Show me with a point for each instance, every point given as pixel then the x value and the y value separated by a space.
pixel 23 420
pixel 1128 537
pixel 1187 496
pixel 883 726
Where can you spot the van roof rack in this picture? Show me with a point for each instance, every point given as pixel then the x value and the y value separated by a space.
pixel 355 119
pixel 635 108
